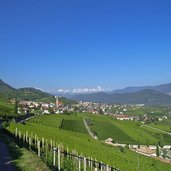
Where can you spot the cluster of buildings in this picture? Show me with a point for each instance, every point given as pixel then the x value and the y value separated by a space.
pixel 117 111
pixel 26 107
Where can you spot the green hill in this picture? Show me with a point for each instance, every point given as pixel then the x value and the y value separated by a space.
pixel 29 93
pixel 34 94
pixel 9 92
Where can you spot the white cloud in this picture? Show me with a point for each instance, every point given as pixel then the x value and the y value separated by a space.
pixel 87 90
pixel 79 90
pixel 63 91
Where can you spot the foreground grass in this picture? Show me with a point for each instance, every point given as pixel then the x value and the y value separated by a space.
pixel 23 159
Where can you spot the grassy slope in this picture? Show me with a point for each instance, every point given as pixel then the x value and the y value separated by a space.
pixel 90 147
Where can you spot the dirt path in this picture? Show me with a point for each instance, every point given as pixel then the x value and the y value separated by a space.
pixel 5 161
pixel 89 131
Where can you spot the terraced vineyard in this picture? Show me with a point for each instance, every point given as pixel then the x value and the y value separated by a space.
pixel 73 125
pixel 43 126
pixel 47 120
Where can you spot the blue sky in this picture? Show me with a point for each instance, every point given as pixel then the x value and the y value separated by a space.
pixel 70 44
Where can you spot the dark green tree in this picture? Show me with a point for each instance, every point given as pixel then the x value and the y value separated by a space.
pixel 16 107
pixel 147 143
pixel 138 143
pixel 157 151
pixel 161 143
pixel 121 149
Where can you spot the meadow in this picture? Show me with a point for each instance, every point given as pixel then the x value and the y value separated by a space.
pixel 43 126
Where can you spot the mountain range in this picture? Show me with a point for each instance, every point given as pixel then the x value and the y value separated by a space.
pixel 164 88
pixel 148 95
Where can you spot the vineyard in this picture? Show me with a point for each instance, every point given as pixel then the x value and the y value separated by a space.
pixel 54 154
pixel 124 131
pixel 47 120
pixel 48 126
pixel 73 125
pixel 105 130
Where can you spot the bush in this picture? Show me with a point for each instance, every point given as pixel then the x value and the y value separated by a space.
pixel 121 149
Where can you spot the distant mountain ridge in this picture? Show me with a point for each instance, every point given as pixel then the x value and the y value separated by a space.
pixel 149 95
pixel 163 88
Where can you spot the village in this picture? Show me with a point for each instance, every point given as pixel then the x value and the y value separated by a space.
pixel 119 112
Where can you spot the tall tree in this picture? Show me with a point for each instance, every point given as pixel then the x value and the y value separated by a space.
pixel 157 151
pixel 147 143
pixel 161 141
pixel 16 107
pixel 138 143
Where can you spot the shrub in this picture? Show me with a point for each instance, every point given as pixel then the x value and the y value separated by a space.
pixel 121 149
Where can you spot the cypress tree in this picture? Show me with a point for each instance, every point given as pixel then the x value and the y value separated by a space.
pixel 157 151
pixel 16 107
pixel 138 143
pixel 161 141
pixel 147 143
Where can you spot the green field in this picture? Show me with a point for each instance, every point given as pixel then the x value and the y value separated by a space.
pixel 84 144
